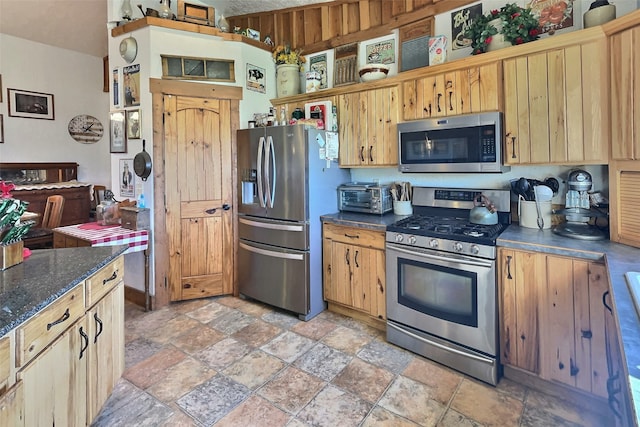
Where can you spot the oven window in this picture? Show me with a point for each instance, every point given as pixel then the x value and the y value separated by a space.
pixel 446 293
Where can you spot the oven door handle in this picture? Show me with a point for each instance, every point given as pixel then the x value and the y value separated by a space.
pixel 417 251
pixel 442 347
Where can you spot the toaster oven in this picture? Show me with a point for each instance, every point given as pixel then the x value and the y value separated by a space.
pixel 365 197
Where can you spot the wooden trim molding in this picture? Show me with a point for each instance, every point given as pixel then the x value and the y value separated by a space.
pixel 200 90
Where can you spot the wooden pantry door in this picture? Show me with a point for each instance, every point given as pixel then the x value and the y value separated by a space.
pixel 194 225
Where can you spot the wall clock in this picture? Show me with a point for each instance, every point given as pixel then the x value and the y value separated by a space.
pixel 85 129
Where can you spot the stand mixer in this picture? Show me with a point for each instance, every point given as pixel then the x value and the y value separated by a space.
pixel 578 210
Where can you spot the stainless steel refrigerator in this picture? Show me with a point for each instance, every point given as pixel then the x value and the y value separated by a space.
pixel 283 187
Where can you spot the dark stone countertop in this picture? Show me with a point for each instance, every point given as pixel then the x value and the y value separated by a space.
pixel 47 274
pixel 618 258
pixel 352 219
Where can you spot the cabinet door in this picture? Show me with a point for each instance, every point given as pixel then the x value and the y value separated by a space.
pixel 338 280
pixel 521 284
pixel 351 150
pixel 106 348
pixel 12 406
pixel 554 106
pixel 625 95
pixel 55 382
pixel 574 343
pixel 382 127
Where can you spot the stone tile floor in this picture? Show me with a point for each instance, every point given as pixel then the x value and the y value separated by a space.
pixel 231 362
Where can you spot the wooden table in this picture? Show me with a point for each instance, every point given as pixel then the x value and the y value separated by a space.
pixel 93 234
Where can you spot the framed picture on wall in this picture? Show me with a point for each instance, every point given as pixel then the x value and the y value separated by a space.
pixel 118 142
pixel 31 105
pixel 115 87
pixel 256 78
pixel 133 124
pixel 1 129
pixel 127 183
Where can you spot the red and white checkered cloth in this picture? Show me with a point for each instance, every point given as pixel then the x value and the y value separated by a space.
pixel 138 240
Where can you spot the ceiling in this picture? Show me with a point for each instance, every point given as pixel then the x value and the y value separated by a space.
pixel 81 25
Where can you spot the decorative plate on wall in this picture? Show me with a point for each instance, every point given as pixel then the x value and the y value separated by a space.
pixel 129 49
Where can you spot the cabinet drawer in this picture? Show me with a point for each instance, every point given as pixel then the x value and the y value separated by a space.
pixel 353 235
pixel 104 280
pixel 5 361
pixel 39 331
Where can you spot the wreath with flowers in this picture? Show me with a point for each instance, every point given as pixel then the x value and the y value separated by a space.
pixel 284 55
pixel 519 25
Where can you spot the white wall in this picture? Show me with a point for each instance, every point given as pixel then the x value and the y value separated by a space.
pixel 75 81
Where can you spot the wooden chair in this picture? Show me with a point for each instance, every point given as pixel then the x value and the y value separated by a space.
pixel 42 237
pixel 98 196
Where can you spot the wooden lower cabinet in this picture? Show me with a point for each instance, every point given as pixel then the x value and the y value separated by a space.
pixel 354 269
pixel 73 372
pixel 12 406
pixel 552 320
pixel 106 349
pixel 55 382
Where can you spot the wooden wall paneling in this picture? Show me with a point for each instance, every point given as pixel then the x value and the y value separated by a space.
pixel 312 31
pixel 365 22
pixel 557 94
pixel 352 16
pixel 375 13
pixel 398 7
pixel 297 30
pixel 284 28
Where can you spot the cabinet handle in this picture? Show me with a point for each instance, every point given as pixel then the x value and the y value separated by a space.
pixel 85 337
pixel 513 147
pixel 101 326
pixel 352 236
pixel 355 259
pixel 64 317
pixel 346 257
pixel 586 334
pixel 604 301
pixel 371 153
pixel 210 211
pixel 114 276
pixel 450 103
pixel 509 267
pixel 439 96
pixel 362 153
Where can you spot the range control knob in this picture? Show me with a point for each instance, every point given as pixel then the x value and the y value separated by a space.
pixel 457 246
pixel 412 240
pixel 475 250
pixel 399 238
pixel 433 243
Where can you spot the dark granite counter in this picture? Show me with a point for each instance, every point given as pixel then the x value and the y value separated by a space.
pixel 47 274
pixel 619 259
pixel 351 219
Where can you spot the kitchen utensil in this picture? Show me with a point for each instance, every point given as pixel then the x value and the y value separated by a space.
pixel 540 220
pixel 543 193
pixel 483 211
pixel 553 184
pixel 522 188
pixel 142 163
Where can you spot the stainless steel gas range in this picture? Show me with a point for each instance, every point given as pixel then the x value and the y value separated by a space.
pixel 441 280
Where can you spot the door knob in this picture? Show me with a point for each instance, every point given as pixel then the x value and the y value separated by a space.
pixel 226 207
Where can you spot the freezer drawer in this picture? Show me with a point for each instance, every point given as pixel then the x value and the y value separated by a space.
pixel 276 276
pixel 286 234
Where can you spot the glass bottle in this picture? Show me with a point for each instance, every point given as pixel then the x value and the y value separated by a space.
pixel 126 10
pixel 223 25
pixel 165 10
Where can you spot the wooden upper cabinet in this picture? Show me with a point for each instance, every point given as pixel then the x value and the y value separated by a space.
pixel 367 123
pixel 625 94
pixel 555 106
pixel 469 90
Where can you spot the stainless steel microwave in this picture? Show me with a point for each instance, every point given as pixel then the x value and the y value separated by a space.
pixel 470 143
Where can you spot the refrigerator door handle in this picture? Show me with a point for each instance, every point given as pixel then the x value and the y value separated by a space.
pixel 280 227
pixel 259 172
pixel 271 253
pixel 270 183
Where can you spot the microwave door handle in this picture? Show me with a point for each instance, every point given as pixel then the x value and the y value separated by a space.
pixel 259 172
pixel 271 183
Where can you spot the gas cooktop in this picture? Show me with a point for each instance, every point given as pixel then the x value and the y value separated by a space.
pixel 448 228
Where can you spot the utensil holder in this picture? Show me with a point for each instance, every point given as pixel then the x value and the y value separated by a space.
pixel 528 214
pixel 402 207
